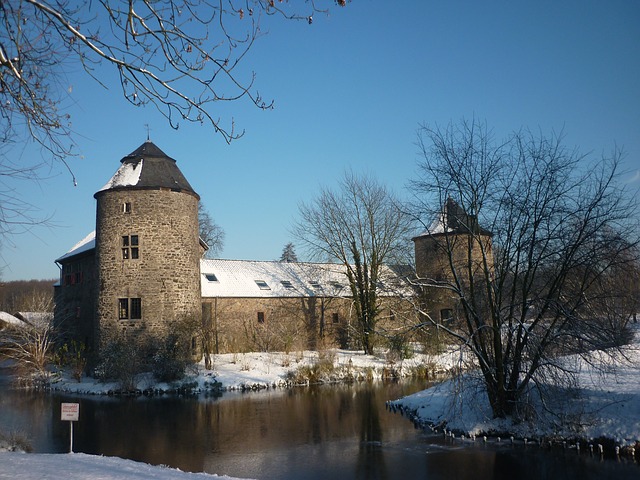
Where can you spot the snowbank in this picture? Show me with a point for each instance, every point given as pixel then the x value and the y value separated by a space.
pixel 79 466
pixel 256 371
pixel 606 405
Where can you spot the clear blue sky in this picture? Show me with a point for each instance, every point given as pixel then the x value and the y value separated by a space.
pixel 350 92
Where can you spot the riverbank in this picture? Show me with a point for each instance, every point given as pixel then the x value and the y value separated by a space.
pixel 79 466
pixel 601 411
pixel 603 407
pixel 261 370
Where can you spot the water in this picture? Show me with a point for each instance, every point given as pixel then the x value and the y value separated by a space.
pixel 330 432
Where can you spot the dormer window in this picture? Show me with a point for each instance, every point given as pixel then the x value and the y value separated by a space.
pixel 211 277
pixel 287 284
pixel 315 285
pixel 262 285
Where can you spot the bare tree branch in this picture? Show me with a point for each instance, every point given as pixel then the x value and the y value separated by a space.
pixel 542 278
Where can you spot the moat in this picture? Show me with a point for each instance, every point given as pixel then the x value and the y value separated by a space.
pixel 337 432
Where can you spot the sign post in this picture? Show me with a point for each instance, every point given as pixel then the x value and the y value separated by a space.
pixel 71 413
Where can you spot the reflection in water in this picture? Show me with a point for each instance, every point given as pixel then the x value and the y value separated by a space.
pixel 337 432
pixel 370 462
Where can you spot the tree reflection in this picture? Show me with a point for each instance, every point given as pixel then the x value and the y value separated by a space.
pixel 370 464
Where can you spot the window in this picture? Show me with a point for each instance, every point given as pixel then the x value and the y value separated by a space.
pixel 130 248
pixel 123 308
pixel 136 308
pixel 335 318
pixel 315 284
pixel 211 277
pixel 287 284
pixel 262 285
pixel 446 314
pixel 126 207
pixel 260 317
pixel 72 275
pixel 129 308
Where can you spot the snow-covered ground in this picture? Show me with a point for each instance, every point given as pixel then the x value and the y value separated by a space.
pixel 259 370
pixel 79 466
pixel 607 404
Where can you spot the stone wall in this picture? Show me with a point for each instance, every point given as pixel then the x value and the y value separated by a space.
pixel 438 256
pixel 74 312
pixel 286 324
pixel 165 276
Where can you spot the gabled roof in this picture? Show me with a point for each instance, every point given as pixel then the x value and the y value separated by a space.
pixel 249 279
pixel 148 167
pixel 85 245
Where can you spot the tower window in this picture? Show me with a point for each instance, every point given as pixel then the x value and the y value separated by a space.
pixel 129 308
pixel 260 317
pixel 130 247
pixel 446 314
pixel 126 207
pixel 335 318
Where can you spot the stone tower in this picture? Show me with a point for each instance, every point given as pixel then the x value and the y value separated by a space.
pixel 147 247
pixel 454 239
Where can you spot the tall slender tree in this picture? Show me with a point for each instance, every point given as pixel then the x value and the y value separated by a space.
pixel 361 226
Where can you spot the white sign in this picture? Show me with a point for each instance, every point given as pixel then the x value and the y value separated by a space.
pixel 70 411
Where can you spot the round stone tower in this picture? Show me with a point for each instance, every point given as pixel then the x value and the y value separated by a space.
pixel 147 248
pixel 454 241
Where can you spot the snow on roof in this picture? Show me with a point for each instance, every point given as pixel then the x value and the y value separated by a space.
pixel 247 278
pixel 84 245
pixel 126 176
pixel 11 320
pixel 37 319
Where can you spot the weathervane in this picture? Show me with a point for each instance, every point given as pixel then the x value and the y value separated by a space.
pixel 146 125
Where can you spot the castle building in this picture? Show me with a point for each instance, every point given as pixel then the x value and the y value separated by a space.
pixel 453 249
pixel 143 257
pixel 142 271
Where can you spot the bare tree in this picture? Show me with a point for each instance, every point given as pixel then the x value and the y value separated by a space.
pixel 177 55
pixel 27 296
pixel 210 232
pixel 561 229
pixel 31 347
pixel 361 226
pixel 183 57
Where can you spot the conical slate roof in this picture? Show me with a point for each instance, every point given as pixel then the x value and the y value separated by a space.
pixel 148 167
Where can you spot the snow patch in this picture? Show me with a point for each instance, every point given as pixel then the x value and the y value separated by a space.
pixel 127 175
pixel 80 466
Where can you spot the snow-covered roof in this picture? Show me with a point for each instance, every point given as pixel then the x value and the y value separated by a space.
pixel 84 245
pixel 11 320
pixel 37 319
pixel 126 176
pixel 148 167
pixel 247 278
